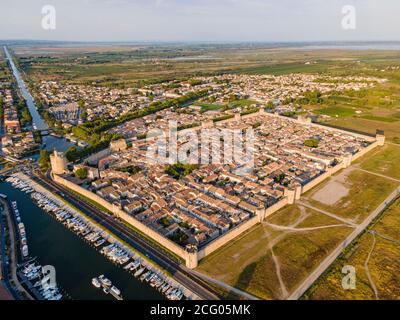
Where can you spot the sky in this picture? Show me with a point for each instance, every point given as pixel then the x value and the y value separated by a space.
pixel 201 20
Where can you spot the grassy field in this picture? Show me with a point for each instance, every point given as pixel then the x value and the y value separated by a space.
pixel 335 111
pixel 379 119
pixel 392 130
pixel 383 161
pixel 129 65
pixel 300 253
pixel 365 110
pixel 210 107
pixel 248 262
pixel 4 71
pixel 366 192
pixel 383 265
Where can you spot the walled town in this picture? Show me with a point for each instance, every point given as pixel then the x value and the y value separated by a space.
pixel 193 204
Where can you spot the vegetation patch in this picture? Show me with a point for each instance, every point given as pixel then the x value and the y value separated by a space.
pixel 383 265
pixel 180 170
pixel 312 143
pixel 335 112
pixel 380 119
pixel 366 193
pixel 384 161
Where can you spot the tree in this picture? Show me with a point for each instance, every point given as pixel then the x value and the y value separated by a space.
pixel 1 107
pixel 312 143
pixel 44 159
pixel 83 115
pixel 26 117
pixel 180 170
pixel 132 170
pixel 81 103
pixel 81 173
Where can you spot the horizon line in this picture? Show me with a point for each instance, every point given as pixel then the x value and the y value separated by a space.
pixel 204 41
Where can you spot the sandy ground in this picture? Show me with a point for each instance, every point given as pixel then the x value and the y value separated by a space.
pixel 334 190
pixel 331 193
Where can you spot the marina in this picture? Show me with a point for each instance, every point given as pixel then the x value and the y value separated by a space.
pixel 38 281
pixel 75 261
pixel 106 285
pixel 31 274
pixel 117 253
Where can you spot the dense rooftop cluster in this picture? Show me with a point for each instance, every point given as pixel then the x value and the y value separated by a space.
pixel 14 142
pixel 214 198
pixel 69 102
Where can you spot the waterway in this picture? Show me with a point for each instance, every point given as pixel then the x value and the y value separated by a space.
pixel 38 123
pixel 75 261
pixel 37 120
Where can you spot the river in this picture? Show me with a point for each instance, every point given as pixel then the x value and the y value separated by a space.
pixel 75 261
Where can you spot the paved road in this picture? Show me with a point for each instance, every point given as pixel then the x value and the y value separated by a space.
pixel 180 272
pixel 333 256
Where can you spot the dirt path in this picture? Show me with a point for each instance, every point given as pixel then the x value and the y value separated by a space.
pixel 371 281
pixel 349 222
pixel 304 215
pixel 305 285
pixel 274 226
pixel 385 237
pixel 284 291
pixel 378 174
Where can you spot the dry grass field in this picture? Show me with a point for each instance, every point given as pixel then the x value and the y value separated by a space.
pixel 269 261
pixel 383 264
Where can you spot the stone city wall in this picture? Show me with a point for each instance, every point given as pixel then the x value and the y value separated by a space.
pixel 230 235
pixel 192 258
pixel 168 244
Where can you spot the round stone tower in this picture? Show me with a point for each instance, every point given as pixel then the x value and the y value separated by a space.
pixel 58 163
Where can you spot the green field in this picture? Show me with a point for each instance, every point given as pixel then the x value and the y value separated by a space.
pixel 335 111
pixel 297 252
pixel 380 119
pixel 300 253
pixel 210 107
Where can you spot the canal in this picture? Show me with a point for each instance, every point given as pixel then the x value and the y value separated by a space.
pixel 75 261
pixel 37 120
pixel 49 142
